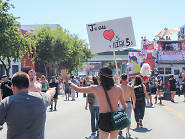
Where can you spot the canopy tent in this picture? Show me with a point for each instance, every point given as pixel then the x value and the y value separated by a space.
pixel 167 32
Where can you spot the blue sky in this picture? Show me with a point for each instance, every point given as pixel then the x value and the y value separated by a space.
pixel 148 16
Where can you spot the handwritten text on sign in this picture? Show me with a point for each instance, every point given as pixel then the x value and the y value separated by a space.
pixel 105 36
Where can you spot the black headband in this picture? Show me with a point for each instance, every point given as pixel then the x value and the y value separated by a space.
pixel 105 75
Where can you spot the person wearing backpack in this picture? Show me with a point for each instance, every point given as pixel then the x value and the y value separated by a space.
pixel 94 109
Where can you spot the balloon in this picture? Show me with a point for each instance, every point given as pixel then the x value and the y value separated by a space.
pixel 145 70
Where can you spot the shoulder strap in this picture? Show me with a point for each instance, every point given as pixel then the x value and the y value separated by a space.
pixel 108 100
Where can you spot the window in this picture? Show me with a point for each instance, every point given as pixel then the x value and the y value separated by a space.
pixel 167 70
pixel 161 70
pixel 15 68
pixel 176 72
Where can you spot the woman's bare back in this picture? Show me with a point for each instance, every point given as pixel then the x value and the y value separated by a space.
pixel 115 95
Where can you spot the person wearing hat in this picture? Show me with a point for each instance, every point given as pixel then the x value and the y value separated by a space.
pixel 6 89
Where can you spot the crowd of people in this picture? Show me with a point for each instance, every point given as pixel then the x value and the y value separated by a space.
pixel 27 92
pixel 136 96
pixel 174 86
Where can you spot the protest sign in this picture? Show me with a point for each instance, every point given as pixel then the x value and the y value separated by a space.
pixel 109 35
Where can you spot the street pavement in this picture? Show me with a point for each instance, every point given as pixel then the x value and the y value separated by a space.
pixel 72 121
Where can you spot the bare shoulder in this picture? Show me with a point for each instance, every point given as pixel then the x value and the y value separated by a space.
pixel 127 87
pixel 98 87
pixel 118 88
pixel 95 86
pixel 143 85
pixel 130 87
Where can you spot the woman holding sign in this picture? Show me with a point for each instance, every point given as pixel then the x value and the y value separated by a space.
pixel 115 94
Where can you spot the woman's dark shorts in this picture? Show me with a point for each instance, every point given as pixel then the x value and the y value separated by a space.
pixel 183 90
pixel 173 89
pixel 160 88
pixel 104 122
pixel 56 95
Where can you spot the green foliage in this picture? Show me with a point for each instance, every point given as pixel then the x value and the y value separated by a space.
pixel 59 48
pixel 44 44
pixel 12 43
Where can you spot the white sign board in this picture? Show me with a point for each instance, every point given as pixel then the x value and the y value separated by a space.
pixel 105 36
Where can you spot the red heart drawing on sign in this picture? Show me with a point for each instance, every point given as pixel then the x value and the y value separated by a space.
pixel 108 34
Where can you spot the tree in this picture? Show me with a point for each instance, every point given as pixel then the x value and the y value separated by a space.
pixel 77 54
pixel 70 51
pixel 12 43
pixel 62 48
pixel 44 46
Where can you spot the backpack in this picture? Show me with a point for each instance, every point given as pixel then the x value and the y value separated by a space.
pixel 91 99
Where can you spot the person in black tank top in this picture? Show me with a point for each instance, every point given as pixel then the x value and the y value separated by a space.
pixel 148 90
pixel 140 93
pixel 159 90
pixel 172 83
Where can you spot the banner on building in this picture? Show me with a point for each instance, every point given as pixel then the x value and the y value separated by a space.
pixel 149 53
pixel 171 55
pixel 107 35
pixel 172 46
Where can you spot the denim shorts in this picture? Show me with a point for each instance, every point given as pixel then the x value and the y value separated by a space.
pixel 129 110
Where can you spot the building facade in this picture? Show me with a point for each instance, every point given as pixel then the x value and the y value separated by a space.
pixel 170 59
pixel 107 59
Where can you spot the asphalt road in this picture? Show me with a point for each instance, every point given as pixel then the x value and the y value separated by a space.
pixel 72 121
